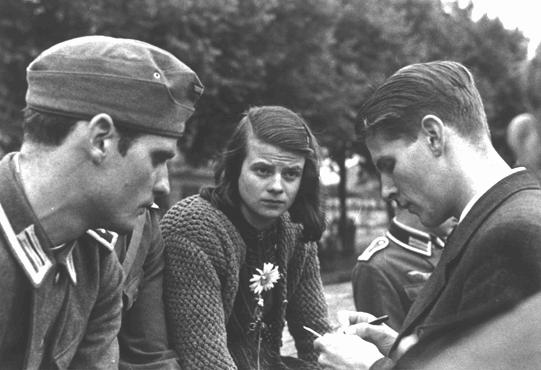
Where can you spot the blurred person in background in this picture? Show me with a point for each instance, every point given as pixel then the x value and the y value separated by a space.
pixel 143 338
pixel 241 257
pixel 523 137
pixel 391 271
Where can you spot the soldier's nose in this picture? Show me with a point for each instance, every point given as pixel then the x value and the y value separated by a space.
pixel 388 189
pixel 161 187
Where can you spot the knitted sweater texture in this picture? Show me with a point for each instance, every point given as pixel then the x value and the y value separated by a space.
pixel 204 253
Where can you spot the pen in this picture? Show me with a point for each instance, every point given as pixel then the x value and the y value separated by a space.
pixel 379 320
pixel 312 331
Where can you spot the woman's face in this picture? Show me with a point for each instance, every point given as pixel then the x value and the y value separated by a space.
pixel 268 183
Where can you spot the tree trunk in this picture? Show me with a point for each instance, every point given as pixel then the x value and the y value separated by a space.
pixel 344 226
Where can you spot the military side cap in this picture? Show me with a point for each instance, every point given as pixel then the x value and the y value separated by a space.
pixel 139 85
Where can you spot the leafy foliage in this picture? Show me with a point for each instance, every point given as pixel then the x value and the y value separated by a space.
pixel 319 57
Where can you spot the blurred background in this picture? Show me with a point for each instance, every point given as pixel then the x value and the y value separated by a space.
pixel 320 58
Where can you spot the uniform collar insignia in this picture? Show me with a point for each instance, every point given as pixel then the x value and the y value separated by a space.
pixel 27 250
pixel 413 239
pixel 65 257
pixel 36 263
pixel 105 237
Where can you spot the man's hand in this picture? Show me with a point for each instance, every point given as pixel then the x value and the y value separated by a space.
pixel 344 352
pixel 356 323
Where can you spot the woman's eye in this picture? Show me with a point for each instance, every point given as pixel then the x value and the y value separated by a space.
pixel 262 171
pixel 291 175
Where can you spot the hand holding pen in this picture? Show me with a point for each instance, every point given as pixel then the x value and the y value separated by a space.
pixel 376 321
pixel 379 320
pixel 357 339
pixel 348 318
pixel 364 326
pixel 369 327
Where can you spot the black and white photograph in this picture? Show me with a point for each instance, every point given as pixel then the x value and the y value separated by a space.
pixel 270 184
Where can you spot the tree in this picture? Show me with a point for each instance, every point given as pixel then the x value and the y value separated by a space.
pixel 26 28
pixel 320 58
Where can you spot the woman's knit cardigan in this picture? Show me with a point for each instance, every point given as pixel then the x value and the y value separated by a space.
pixel 203 255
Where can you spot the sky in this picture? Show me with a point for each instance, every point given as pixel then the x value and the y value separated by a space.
pixel 521 14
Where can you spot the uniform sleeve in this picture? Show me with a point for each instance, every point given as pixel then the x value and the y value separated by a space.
pixel 194 308
pixel 99 348
pixel 143 335
pixel 373 292
pixel 307 306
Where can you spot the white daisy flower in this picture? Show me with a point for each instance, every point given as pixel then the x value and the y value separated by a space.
pixel 265 278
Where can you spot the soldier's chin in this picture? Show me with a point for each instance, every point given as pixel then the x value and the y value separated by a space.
pixel 124 226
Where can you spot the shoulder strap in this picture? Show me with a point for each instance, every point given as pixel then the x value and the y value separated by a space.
pixel 377 245
pixel 133 246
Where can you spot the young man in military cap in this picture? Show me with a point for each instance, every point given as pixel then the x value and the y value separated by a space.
pixel 103 117
pixel 427 133
pixel 391 271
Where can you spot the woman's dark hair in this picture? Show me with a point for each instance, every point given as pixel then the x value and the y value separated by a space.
pixel 283 128
pixel 52 129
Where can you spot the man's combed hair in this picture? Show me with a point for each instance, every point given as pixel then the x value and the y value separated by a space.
pixel 52 129
pixel 280 127
pixel 445 89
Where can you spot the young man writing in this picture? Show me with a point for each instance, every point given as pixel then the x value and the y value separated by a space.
pixel 427 133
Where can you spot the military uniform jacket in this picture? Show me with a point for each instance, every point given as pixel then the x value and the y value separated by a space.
pixel 392 270
pixel 143 335
pixel 58 309
pixel 491 262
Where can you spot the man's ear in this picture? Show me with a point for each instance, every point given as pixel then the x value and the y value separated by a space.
pixel 432 130
pixel 102 131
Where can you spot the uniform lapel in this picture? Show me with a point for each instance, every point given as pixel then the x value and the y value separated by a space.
pixel 20 227
pixel 458 241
